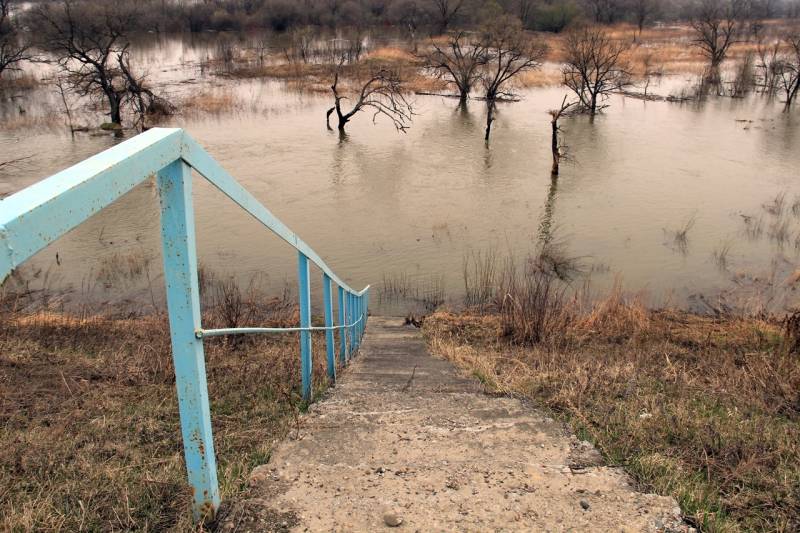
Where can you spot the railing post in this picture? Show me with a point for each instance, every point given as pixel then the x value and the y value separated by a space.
pixel 358 327
pixel 342 330
pixel 183 302
pixel 304 293
pixel 351 300
pixel 329 345
pixel 366 309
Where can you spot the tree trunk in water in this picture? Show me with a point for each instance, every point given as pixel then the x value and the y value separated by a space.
pixel 792 94
pixel 114 104
pixel 554 146
pixel 593 109
pixel 489 120
pixel 328 118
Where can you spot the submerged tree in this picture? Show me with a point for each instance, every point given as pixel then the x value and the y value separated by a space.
pixel 717 25
pixel 382 94
pixel 87 37
pixel 89 40
pixel 769 60
pixel 594 67
pixel 509 52
pixel 788 68
pixel 459 62
pixel 139 96
pixel 556 144
pixel 12 50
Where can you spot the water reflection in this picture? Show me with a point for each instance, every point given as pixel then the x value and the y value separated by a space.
pixel 546 224
pixel 376 203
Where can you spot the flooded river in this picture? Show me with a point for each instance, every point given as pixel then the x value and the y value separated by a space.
pixel 381 206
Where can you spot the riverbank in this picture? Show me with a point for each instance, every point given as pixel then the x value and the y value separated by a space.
pixel 703 409
pixel 89 420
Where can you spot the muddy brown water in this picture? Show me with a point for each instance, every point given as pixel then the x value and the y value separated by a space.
pixel 380 205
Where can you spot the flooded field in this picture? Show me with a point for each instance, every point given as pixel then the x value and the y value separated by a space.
pixel 696 203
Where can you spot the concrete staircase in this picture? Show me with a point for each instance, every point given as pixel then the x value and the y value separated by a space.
pixel 405 441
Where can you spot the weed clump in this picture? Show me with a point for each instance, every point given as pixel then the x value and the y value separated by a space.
pixel 704 409
pixel 89 422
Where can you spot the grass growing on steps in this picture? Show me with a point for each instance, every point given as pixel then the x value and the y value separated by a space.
pixel 89 422
pixel 706 410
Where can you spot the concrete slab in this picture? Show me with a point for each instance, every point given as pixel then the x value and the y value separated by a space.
pixel 405 438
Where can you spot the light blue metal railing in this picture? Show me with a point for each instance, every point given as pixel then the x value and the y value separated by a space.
pixel 36 216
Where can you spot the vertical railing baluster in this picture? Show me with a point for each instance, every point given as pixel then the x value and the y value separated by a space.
pixel 342 331
pixel 355 325
pixel 329 344
pixel 359 308
pixel 183 303
pixel 304 293
pixel 351 318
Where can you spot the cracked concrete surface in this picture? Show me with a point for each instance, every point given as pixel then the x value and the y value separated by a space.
pixel 404 438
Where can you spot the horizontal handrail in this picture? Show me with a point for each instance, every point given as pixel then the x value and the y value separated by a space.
pixel 50 203
pixel 37 215
pixel 203 333
pixel 34 217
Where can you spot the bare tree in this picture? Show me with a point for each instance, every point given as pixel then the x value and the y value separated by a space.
pixel 594 67
pixel 558 148
pixel 459 62
pixel 717 25
pixel 12 50
pixel 789 68
pixel 302 41
pixel 446 10
pixel 60 84
pixel 769 61
pixel 382 94
pixel 86 38
pixel 139 96
pixel 643 11
pixel 509 52
pixel 650 70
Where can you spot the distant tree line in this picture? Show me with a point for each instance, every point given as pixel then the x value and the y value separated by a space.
pixel 485 45
pixel 417 16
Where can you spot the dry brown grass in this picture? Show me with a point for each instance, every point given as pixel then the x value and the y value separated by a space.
pixel 665 49
pixel 392 54
pixel 19 82
pixel 544 77
pixel 704 409
pixel 210 102
pixel 89 420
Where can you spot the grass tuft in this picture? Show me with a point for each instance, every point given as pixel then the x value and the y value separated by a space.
pixel 89 421
pixel 706 410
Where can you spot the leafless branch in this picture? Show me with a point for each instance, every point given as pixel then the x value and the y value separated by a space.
pixel 594 67
pixel 717 25
pixel 459 61
pixel 382 94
